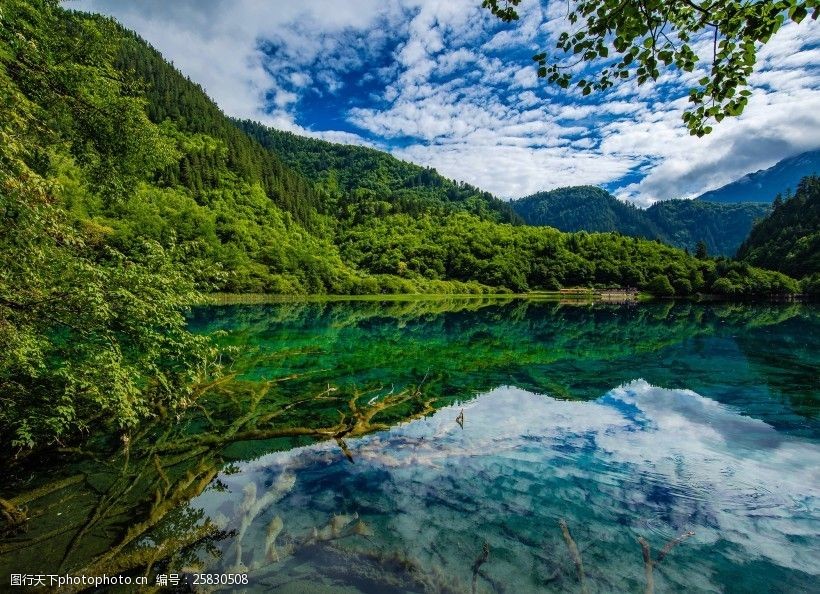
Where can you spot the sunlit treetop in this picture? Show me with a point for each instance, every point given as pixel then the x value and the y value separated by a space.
pixel 638 39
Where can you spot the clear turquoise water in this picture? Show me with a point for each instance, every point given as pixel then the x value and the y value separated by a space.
pixel 624 422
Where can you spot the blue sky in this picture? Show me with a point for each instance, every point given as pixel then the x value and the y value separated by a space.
pixel 443 83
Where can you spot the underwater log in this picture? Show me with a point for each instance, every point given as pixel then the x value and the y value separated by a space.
pixel 574 553
pixel 647 565
pixel 480 560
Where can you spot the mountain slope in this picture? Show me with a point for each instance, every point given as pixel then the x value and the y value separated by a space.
pixel 171 97
pixel 788 239
pixel 123 188
pixel 681 223
pixel 765 184
pixel 723 227
pixel 348 176
pixel 296 215
pixel 584 208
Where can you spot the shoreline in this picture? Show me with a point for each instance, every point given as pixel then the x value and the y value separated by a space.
pixel 266 298
pixel 572 296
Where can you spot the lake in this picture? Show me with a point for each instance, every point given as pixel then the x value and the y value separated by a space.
pixel 462 446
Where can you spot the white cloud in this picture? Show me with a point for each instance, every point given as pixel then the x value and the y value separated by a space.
pixel 526 78
pixel 508 170
pixel 284 98
pixel 215 42
pixel 781 119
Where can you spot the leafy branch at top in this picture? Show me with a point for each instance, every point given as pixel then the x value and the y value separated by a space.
pixel 638 39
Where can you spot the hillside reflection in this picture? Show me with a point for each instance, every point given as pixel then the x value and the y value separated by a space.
pixel 713 429
pixel 569 351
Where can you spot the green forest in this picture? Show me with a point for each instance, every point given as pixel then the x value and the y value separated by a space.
pixel 722 227
pixel 788 239
pixel 125 194
pixel 358 182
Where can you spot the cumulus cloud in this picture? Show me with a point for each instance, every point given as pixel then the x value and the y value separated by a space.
pixel 782 119
pixel 445 84
pixel 509 170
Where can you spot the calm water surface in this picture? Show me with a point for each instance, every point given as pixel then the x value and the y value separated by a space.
pixel 623 422
pixel 561 444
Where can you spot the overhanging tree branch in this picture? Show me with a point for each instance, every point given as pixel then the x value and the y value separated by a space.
pixel 633 29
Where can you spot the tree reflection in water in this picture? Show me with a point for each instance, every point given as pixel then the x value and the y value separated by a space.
pixel 382 385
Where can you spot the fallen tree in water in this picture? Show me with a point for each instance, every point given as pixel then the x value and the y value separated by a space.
pixel 75 523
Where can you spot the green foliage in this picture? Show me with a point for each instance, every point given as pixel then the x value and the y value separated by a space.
pixel 372 223
pixel 123 190
pixel 681 223
pixel 721 227
pixel 87 333
pixel 660 286
pixel 520 258
pixel 356 182
pixel 788 239
pixel 586 208
pixel 506 12
pixel 212 145
pixel 645 37
pixel 810 285
pixel 738 279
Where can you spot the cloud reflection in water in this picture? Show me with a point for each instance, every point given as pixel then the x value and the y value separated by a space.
pixel 639 461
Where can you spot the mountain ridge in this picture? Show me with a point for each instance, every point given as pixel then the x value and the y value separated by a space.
pixel 764 184
pixel 680 223
pixel 337 169
pixel 156 162
pixel 125 193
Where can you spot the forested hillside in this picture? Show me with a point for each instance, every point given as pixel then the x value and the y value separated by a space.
pixel 344 201
pixel 124 191
pixel 356 182
pixel 584 208
pixel 788 239
pixel 680 223
pixel 274 212
pixel 89 333
pixel 463 247
pixel 722 227
pixel 212 146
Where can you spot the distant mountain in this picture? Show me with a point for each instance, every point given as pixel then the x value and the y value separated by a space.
pixel 723 227
pixel 765 184
pixel 584 208
pixel 788 239
pixel 681 223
